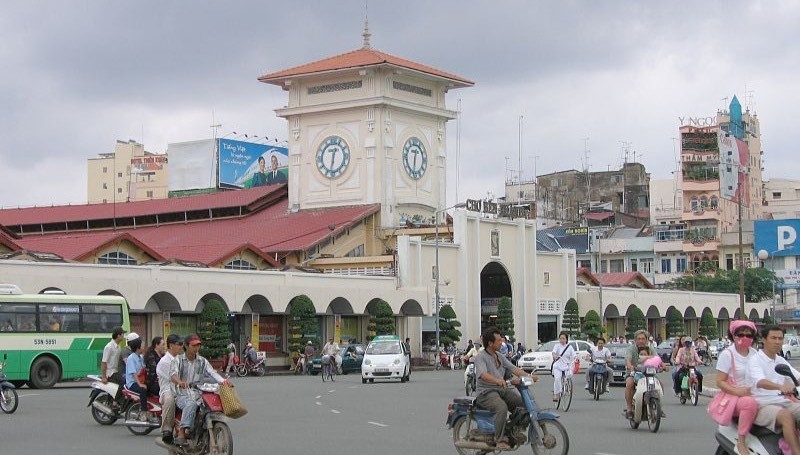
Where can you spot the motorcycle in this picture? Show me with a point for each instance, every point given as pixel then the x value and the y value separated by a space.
pixel 444 361
pixel 9 400
pixel 473 427
pixel 300 366
pixel 133 413
pixel 470 381
pixel 211 434
pixel 760 440
pixel 258 368
pixel 106 409
pixel 689 386
pixel 597 378
pixel 647 400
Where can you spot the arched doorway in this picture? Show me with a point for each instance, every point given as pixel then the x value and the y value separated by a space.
pixel 495 284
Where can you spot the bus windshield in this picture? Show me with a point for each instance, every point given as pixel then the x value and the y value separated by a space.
pixel 51 337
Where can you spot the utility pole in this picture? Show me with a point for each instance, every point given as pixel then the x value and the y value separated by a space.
pixel 742 314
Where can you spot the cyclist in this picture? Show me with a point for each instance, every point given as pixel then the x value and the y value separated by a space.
pixel 331 349
pixel 563 358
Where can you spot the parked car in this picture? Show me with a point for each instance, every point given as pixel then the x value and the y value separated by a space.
pixel 664 350
pixel 791 347
pixel 542 358
pixel 617 362
pixel 348 362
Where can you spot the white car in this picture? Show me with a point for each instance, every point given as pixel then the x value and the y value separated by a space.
pixel 386 358
pixel 542 358
pixel 791 347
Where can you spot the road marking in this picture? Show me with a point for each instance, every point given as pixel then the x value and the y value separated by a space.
pixel 335 411
pixel 378 424
pixel 353 387
pixel 603 453
pixel 331 391
pixel 319 404
pixel 30 395
pixel 318 397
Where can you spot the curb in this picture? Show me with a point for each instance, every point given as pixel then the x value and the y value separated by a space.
pixel 709 392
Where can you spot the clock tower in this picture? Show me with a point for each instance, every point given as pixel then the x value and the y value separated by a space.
pixel 366 127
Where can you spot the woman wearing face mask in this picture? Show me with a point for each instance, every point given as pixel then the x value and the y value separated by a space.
pixel 732 363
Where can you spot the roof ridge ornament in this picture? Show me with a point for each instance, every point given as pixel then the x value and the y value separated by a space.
pixel 366 33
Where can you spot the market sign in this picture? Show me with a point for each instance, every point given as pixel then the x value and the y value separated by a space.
pixel 501 210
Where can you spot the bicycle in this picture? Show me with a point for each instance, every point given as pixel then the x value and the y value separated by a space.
pixel 565 398
pixel 328 368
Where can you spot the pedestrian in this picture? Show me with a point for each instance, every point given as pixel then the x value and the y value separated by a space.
pixel 231 354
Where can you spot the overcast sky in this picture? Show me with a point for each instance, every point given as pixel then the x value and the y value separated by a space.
pixel 78 75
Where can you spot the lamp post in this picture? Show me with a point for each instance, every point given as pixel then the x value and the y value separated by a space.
pixel 436 273
pixel 763 255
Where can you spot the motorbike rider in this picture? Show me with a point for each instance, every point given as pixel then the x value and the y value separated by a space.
pixel 734 361
pixel 632 360
pixel 309 353
pixel 331 349
pixel 775 409
pixel 151 358
pixel 133 380
pixel 166 396
pixel 109 365
pixel 701 345
pixel 186 369
pixel 599 352
pixel 687 358
pixel 249 355
pixel 493 394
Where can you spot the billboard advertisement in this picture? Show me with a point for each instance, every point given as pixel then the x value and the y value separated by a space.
pixel 248 165
pixel 191 165
pixel 733 161
pixel 777 237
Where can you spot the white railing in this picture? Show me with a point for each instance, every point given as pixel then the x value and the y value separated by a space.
pixel 372 271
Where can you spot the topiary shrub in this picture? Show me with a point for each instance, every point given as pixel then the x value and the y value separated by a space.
pixel 592 326
pixel 572 321
pixel 302 323
pixel 635 322
pixel 214 330
pixel 449 333
pixel 505 317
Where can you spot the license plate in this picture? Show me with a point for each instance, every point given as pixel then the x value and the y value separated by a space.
pixel 381 370
pixel 618 374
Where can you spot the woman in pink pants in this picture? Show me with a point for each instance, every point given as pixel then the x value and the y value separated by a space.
pixel 732 364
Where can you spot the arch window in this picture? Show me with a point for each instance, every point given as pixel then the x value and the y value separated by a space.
pixel 714 202
pixel 695 203
pixel 240 264
pixel 703 202
pixel 117 258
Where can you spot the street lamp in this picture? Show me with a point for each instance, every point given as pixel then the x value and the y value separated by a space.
pixel 436 274
pixel 763 255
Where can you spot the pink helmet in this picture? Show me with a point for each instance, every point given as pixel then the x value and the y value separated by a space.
pixel 736 325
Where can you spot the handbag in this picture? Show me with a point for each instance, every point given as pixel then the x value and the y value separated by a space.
pixel 722 406
pixel 231 404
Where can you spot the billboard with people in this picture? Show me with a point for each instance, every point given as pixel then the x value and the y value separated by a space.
pixel 249 165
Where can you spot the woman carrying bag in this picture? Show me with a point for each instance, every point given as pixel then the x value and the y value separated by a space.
pixel 731 379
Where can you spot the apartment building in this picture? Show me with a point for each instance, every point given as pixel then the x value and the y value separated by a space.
pixel 129 173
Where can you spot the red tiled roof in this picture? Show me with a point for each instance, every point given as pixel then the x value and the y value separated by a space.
pixel 8 241
pixel 623 279
pixel 357 59
pixel 598 216
pixel 271 229
pixel 84 212
pixel 584 271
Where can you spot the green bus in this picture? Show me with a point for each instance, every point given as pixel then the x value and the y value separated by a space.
pixel 53 337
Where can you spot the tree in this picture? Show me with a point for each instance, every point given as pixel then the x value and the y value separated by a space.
pixel 572 321
pixel 381 319
pixel 674 323
pixel 303 323
pixel 592 326
pixel 448 325
pixel 214 330
pixel 708 325
pixel 757 282
pixel 635 322
pixel 505 317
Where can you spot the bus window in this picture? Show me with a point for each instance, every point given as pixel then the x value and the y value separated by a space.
pixel 17 317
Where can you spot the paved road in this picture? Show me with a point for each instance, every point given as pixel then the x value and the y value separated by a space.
pixel 301 415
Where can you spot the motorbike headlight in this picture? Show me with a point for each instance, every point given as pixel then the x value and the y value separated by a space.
pixel 650 371
pixel 527 381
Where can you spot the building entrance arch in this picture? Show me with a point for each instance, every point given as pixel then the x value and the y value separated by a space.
pixel 495 284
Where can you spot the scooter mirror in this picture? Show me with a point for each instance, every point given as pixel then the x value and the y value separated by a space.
pixel 784 370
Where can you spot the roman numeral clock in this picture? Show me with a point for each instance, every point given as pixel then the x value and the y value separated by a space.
pixel 333 156
pixel 415 158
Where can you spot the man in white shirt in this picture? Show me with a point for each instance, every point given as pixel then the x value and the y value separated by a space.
pixel 166 396
pixel 771 390
pixel 331 349
pixel 109 364
pixel 599 352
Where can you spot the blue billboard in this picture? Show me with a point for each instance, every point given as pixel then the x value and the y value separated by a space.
pixel 777 237
pixel 248 165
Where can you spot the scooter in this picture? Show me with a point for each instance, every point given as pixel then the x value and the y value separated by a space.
pixel 211 434
pixel 105 408
pixel 597 376
pixel 444 361
pixel 132 414
pixel 473 427
pixel 258 368
pixel 647 400
pixel 470 381
pixel 760 440
pixel 8 393
pixel 689 386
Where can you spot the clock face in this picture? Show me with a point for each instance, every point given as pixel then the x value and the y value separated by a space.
pixel 333 156
pixel 415 158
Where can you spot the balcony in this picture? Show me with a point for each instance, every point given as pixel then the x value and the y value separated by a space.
pixel 668 246
pixel 700 185
pixel 365 265
pixel 702 213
